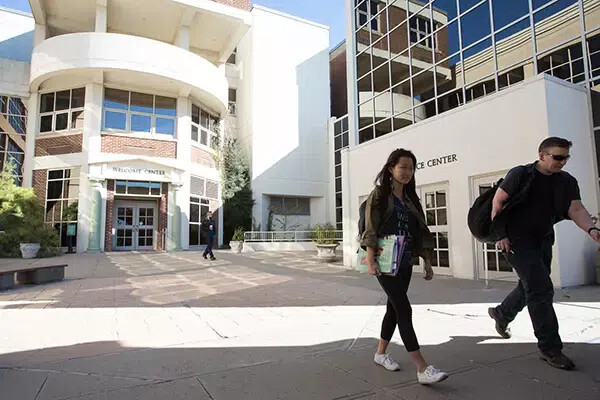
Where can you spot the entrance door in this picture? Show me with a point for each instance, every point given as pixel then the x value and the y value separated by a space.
pixel 491 264
pixel 435 204
pixel 135 226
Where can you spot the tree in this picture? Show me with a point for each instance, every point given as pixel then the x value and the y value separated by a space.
pixel 234 168
pixel 21 218
pixel 235 188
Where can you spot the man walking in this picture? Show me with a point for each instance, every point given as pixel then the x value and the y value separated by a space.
pixel 525 208
pixel 210 222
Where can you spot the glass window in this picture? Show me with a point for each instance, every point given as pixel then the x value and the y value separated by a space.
pixel 166 106
pixel 117 99
pixel 141 102
pixel 61 205
pixel 141 123
pixel 205 127
pixel 62 111
pixel 115 120
pixel 165 126
pixel 139 112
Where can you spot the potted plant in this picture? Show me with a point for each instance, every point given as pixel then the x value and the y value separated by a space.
pixel 324 238
pixel 237 240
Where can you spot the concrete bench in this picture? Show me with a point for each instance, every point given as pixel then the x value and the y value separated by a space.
pixel 31 275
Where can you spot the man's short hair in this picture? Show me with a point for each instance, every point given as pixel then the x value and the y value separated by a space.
pixel 554 142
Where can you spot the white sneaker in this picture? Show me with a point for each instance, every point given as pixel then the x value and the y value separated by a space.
pixel 386 362
pixel 431 375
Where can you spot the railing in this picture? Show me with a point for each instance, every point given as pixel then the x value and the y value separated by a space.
pixel 289 236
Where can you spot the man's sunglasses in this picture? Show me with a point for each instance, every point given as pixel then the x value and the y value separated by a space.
pixel 557 157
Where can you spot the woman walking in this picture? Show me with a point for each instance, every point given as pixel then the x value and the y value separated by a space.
pixel 393 208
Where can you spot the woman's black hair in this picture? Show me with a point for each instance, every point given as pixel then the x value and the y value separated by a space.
pixel 384 177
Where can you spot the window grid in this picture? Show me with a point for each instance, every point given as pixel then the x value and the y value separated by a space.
pixel 61 203
pixel 62 117
pixel 205 127
pixel 155 118
pixel 199 207
pixel 440 94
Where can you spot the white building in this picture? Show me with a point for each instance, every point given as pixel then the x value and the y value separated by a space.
pixel 468 127
pixel 126 99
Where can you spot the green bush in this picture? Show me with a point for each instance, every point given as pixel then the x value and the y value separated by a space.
pixel 21 219
pixel 238 234
pixel 324 234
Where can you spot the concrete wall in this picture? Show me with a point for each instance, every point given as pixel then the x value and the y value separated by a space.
pixel 16 43
pixel 487 137
pixel 289 101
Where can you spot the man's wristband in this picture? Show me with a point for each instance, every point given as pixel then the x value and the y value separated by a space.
pixel 593 228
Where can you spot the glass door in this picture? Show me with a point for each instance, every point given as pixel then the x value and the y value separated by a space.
pixel 491 264
pixel 135 225
pixel 145 220
pixel 124 226
pixel 435 205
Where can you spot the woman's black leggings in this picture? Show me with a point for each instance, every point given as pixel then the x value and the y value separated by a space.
pixel 399 310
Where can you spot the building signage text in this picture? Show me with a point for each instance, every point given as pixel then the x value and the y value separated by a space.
pixel 139 171
pixel 434 162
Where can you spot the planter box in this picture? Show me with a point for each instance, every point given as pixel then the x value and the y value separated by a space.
pixel 236 246
pixel 29 250
pixel 326 252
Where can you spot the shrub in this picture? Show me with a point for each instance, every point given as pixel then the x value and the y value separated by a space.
pixel 324 234
pixel 238 234
pixel 21 219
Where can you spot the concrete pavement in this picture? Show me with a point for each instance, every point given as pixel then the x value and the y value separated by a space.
pixel 270 326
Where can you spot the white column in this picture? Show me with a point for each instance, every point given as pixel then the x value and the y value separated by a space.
pixel 101 16
pixel 32 118
pixel 183 37
pixel 91 142
pixel 349 224
pixel 95 216
pixel 351 75
pixel 184 160
pixel 39 34
pixel 330 204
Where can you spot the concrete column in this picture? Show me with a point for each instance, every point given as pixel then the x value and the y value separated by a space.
pixel 184 160
pixel 101 16
pixel 95 216
pixel 351 74
pixel 32 112
pixel 175 212
pixel 183 37
pixel 39 34
pixel 91 143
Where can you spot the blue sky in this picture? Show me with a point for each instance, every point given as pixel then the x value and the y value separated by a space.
pixel 326 12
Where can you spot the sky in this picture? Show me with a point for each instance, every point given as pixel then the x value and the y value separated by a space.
pixel 326 12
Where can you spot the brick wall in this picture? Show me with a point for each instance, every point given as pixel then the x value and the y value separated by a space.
pixel 138 146
pixel 110 205
pixel 58 145
pixel 243 4
pixel 163 217
pixel 39 184
pixel 203 157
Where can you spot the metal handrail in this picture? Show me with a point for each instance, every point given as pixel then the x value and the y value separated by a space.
pixel 289 236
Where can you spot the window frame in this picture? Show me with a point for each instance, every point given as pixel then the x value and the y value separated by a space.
pixel 430 37
pixel 210 134
pixel 54 113
pixel 62 199
pixel 149 195
pixel 374 15
pixel 129 113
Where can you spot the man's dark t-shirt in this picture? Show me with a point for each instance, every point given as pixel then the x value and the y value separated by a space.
pixel 533 220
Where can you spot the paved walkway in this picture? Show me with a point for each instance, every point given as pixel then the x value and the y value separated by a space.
pixel 270 326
